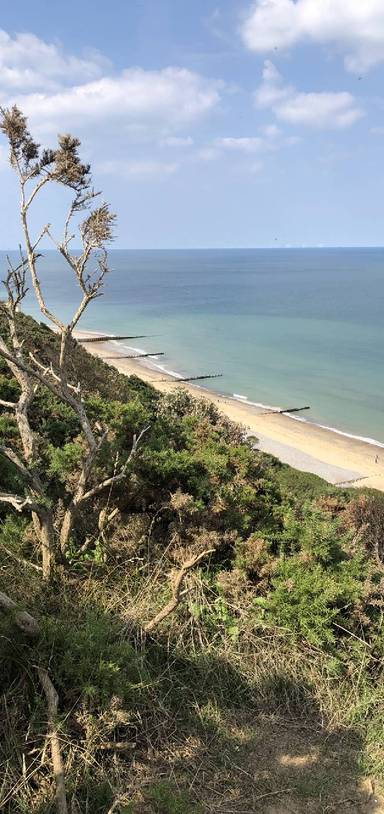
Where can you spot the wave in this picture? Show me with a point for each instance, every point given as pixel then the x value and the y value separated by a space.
pixel 148 361
pixel 364 438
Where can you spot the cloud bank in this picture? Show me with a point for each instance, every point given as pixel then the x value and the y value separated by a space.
pixel 57 90
pixel 354 27
pixel 322 110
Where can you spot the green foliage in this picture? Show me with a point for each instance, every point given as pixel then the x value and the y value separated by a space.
pixel 12 530
pixel 308 599
pixel 300 486
pixel 8 428
pixel 52 419
pixel 63 461
pixel 92 659
pixel 166 799
pixel 9 388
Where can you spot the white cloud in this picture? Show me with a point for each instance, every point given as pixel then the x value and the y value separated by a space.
pixel 136 169
pixel 271 138
pixel 58 90
pixel 319 110
pixel 112 111
pixel 168 98
pixel 323 110
pixel 29 63
pixel 354 27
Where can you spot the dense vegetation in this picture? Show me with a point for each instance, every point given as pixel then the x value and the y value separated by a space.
pixel 281 621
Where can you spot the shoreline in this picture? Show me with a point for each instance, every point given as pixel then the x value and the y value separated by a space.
pixel 338 457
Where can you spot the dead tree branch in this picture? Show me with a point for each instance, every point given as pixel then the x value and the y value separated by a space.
pixel 176 590
pixel 21 560
pixel 53 736
pixel 23 620
pixel 81 494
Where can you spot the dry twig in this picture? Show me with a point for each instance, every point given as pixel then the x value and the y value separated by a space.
pixel 176 593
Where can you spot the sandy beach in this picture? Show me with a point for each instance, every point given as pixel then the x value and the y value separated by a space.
pixel 337 458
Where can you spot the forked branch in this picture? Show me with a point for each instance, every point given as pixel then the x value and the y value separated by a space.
pixel 173 603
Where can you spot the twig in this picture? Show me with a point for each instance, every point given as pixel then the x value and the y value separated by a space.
pixel 344 629
pixel 176 593
pixel 21 560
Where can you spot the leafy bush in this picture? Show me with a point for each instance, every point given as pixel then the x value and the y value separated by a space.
pixel 92 659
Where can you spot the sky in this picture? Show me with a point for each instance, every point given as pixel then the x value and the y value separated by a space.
pixel 212 123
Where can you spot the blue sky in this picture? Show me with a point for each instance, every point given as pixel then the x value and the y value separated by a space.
pixel 208 123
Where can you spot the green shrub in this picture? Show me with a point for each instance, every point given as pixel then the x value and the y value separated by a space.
pixel 91 658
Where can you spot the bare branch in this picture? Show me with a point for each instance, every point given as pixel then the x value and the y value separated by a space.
pixel 21 560
pixel 15 362
pixel 38 240
pixel 14 459
pixel 81 495
pixel 120 475
pixel 36 189
pixel 60 393
pixel 19 503
pixel 176 591
pixel 49 371
pixel 22 619
pixel 53 735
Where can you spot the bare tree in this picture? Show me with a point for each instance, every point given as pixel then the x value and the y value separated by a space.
pixel 35 169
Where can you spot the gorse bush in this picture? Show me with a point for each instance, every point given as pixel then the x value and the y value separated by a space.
pixel 93 659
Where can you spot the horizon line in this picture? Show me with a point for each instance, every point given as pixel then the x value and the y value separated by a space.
pixel 224 248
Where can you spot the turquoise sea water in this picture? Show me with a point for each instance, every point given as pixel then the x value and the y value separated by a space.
pixel 285 327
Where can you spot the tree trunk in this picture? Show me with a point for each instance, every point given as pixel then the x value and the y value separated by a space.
pixel 47 541
pixel 67 526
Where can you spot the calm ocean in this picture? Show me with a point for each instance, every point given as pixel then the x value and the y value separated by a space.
pixel 284 327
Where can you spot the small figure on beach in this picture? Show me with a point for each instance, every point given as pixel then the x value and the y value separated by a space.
pixel 376 459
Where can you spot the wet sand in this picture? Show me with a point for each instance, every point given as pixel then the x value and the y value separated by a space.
pixel 305 446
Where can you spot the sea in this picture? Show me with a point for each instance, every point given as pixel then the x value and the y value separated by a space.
pixel 286 328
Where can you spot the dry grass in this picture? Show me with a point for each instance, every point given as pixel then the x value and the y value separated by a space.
pixel 222 721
